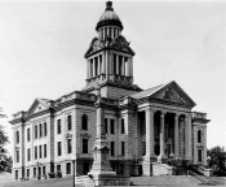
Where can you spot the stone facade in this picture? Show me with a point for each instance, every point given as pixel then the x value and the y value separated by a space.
pixel 141 126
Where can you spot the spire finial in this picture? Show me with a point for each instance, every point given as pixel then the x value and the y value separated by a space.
pixel 109 5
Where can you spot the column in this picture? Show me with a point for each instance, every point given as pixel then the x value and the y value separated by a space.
pixel 149 133
pixel 162 132
pixel 117 64
pixel 188 139
pixel 103 65
pixel 98 65
pixel 88 70
pixel 131 67
pixel 123 66
pixel 176 137
pixel 94 70
pixel 205 146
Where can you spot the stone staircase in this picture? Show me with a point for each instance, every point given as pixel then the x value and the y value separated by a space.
pixel 161 169
pixel 162 181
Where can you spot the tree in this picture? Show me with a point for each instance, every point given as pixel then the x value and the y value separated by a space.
pixel 5 160
pixel 217 160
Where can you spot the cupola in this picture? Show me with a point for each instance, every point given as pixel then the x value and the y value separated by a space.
pixel 109 24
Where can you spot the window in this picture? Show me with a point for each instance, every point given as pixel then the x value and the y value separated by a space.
pixel 122 126
pixel 44 170
pixel 68 168
pixel 112 126
pixel 17 137
pixel 143 148
pixel 69 147
pixel 45 129
pixel 91 67
pixel 36 152
pixel 199 136
pixel 122 148
pixel 125 60
pixel 40 151
pixel 28 173
pixel 106 125
pixel 17 156
pixel 28 135
pixel 112 148
pixel 36 131
pixel 16 174
pixel 84 145
pixel 45 150
pixel 96 65
pixel 120 65
pixel 28 154
pixel 40 130
pixel 59 168
pixel 84 122
pixel 59 149
pixel 69 122
pixel 58 126
pixel 114 63
pixel 34 172
pixel 100 58
pixel 200 155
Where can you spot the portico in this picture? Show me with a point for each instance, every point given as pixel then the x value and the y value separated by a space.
pixel 166 135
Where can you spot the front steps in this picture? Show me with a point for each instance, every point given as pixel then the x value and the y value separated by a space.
pixel 175 181
pixel 161 169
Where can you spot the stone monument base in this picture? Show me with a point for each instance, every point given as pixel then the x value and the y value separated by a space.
pixel 102 180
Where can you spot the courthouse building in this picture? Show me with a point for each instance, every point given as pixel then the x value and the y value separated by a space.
pixel 143 126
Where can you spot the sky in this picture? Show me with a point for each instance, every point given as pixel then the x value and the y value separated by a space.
pixel 42 47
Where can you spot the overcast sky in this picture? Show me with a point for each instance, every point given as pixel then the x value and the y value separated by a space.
pixel 42 46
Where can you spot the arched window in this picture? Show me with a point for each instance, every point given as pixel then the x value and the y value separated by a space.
pixel 199 136
pixel 84 122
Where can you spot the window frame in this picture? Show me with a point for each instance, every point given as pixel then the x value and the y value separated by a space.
pixel 69 122
pixel 199 136
pixel 68 168
pixel 40 151
pixel 85 145
pixel 59 126
pixel 36 131
pixel 59 148
pixel 28 134
pixel 112 126
pixel 84 121
pixel 122 126
pixel 112 148
pixel 45 129
pixel 28 154
pixel 123 146
pixel 45 150
pixel 17 137
pixel 69 146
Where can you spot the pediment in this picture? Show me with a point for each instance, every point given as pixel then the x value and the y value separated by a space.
pixel 173 93
pixel 38 106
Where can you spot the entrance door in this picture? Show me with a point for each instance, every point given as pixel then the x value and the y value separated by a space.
pixel 85 168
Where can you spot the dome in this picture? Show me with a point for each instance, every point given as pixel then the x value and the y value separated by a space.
pixel 109 17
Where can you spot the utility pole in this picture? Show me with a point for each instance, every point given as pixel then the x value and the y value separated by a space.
pixel 73 180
